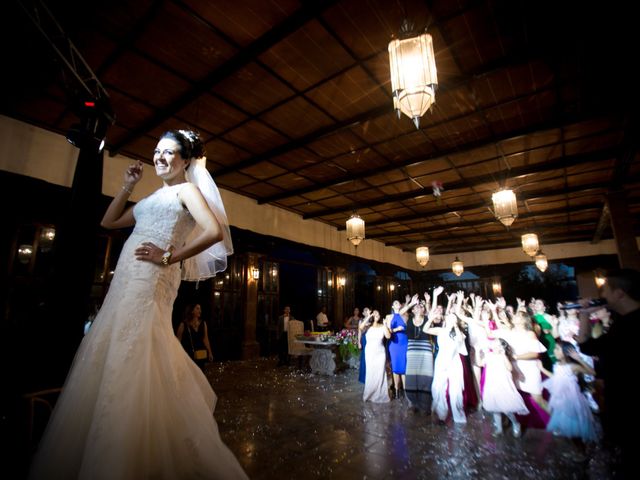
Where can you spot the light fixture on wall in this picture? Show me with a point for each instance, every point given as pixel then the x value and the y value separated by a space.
pixel 505 206
pixel 392 287
pixel 600 278
pixel 47 236
pixel 541 261
pixel 355 229
pixel 457 267
pixel 422 256
pixel 496 286
pixel 414 77
pixel 24 253
pixel 530 244
pixel 274 272
pixel 342 281
pixel 255 273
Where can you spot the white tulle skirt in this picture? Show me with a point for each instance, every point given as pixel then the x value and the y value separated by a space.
pixel 134 405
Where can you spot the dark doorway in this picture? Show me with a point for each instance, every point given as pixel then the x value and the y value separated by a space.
pixel 298 290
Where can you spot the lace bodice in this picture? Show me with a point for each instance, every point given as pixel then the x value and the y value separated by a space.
pixel 162 218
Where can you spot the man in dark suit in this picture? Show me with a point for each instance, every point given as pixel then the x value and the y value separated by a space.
pixel 615 351
pixel 283 340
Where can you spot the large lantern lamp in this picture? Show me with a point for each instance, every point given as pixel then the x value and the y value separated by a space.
pixel 413 73
pixel 457 267
pixel 541 261
pixel 530 244
pixel 355 229
pixel 422 256
pixel 505 206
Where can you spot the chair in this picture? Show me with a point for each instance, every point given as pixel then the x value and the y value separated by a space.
pixel 39 407
pixel 298 350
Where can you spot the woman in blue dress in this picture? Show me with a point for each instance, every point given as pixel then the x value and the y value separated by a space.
pixel 398 342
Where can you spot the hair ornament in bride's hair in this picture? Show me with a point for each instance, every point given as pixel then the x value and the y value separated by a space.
pixel 189 135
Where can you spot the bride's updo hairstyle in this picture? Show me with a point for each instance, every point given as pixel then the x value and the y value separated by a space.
pixel 190 144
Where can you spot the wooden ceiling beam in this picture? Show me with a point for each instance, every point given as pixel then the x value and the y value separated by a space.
pixel 533 195
pixel 370 115
pixel 517 231
pixel 559 163
pixel 458 149
pixel 299 18
pixel 450 227
pixel 480 246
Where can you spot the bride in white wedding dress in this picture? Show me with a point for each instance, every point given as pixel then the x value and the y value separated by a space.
pixel 134 405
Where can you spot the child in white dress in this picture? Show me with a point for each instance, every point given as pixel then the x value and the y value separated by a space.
pixel 570 412
pixel 500 395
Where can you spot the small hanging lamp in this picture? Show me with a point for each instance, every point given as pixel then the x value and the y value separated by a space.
pixel 422 256
pixel 413 73
pixel 355 229
pixel 541 261
pixel 505 206
pixel 530 244
pixel 457 267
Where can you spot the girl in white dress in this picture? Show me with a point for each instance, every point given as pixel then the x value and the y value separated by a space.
pixel 448 373
pixel 134 404
pixel 376 388
pixel 570 412
pixel 527 371
pixel 499 395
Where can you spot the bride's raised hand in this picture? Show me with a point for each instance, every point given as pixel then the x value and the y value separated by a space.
pixel 133 173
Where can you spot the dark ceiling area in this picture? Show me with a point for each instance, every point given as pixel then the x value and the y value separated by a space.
pixel 293 99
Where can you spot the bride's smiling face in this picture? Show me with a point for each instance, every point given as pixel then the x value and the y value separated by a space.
pixel 168 160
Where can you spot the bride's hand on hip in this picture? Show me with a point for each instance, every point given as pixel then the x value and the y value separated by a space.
pixel 149 252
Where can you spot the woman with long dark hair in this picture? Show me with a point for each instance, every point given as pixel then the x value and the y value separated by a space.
pixel 194 335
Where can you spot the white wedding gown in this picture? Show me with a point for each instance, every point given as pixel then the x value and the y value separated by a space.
pixel 134 405
pixel 375 358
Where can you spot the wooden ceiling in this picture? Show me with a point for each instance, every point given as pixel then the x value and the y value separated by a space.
pixel 294 101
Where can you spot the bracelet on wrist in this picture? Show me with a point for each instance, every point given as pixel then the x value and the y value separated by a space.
pixel 128 190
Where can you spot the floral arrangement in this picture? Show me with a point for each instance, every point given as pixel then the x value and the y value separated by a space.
pixel 347 341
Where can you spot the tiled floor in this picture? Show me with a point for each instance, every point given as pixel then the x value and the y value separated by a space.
pixel 283 423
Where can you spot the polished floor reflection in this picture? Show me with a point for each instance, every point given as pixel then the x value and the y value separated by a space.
pixel 285 423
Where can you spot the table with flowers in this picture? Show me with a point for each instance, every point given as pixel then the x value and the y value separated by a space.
pixel 332 352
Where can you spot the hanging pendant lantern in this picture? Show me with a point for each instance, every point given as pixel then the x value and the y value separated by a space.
pixel 505 206
pixel 413 73
pixel 422 256
pixel 541 261
pixel 530 244
pixel 457 267
pixel 355 229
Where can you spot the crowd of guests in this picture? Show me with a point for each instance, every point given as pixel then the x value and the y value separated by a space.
pixel 449 354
